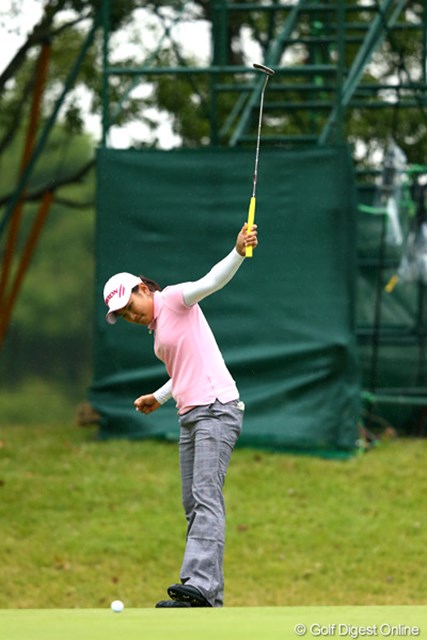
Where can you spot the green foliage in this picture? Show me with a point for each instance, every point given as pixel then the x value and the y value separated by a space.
pixel 99 521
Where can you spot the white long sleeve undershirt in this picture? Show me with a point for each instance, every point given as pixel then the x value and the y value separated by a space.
pixel 194 292
pixel 215 279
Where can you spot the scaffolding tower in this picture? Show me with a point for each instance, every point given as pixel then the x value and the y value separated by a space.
pixel 321 51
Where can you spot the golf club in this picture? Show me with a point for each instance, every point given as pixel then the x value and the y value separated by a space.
pixel 251 215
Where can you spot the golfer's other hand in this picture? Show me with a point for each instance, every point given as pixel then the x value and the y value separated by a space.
pixel 146 404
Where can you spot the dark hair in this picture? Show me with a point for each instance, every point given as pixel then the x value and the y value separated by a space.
pixel 151 284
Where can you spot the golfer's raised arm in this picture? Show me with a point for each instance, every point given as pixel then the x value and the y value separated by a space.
pixel 222 272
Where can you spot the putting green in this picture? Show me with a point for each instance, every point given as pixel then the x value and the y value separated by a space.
pixel 257 623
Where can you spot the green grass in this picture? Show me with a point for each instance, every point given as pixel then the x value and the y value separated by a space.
pixel 238 623
pixel 84 523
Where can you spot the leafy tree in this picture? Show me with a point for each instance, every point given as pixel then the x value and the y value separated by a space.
pixel 51 327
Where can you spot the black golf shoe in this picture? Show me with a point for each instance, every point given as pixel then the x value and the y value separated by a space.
pixel 168 604
pixel 186 594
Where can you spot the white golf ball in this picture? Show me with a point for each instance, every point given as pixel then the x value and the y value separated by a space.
pixel 117 606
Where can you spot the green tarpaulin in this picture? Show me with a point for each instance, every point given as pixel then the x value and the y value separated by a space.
pixel 285 323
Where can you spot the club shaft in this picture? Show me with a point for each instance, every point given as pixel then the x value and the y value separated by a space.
pixel 258 140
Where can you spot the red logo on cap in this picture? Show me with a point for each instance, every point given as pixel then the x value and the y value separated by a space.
pixel 120 291
pixel 110 295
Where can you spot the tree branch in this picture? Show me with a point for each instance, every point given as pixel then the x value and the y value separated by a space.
pixel 41 32
pixel 55 184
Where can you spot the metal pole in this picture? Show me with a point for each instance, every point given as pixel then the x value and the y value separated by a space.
pixel 339 132
pixel 219 54
pixel 105 93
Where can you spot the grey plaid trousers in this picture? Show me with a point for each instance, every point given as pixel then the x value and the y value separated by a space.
pixel 207 438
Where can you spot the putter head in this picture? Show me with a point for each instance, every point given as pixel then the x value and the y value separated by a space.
pixel 264 69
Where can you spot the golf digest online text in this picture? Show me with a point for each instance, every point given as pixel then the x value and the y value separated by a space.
pixel 355 631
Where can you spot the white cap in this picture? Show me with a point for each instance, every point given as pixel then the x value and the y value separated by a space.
pixel 117 291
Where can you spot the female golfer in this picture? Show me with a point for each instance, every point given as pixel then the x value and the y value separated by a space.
pixel 209 409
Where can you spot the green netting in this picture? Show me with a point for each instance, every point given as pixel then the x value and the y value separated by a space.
pixel 392 326
pixel 285 324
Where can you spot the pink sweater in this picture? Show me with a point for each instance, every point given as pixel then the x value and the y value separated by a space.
pixel 184 341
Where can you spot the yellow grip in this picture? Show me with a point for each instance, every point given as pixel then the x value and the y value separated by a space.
pixel 251 220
